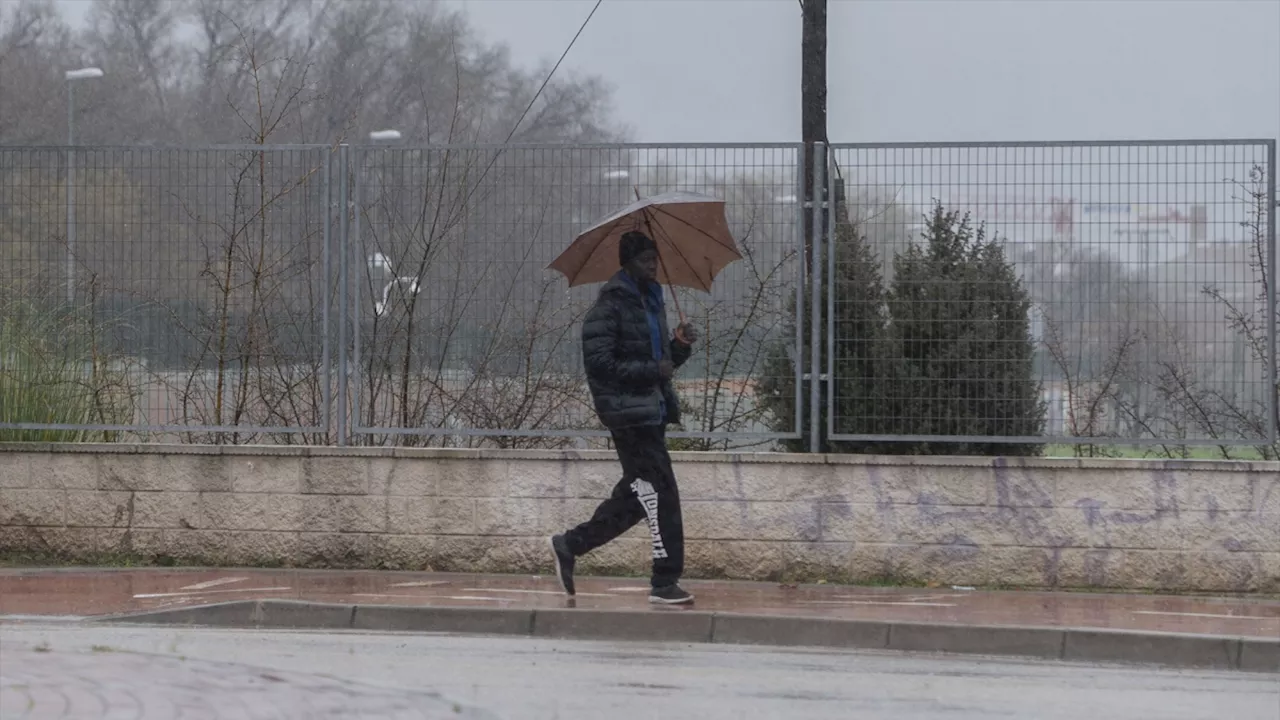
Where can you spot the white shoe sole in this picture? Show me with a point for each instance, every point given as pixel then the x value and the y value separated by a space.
pixel 661 601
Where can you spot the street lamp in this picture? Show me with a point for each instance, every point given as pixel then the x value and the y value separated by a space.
pixel 89 73
pixel 378 261
pixel 616 182
pixel 386 137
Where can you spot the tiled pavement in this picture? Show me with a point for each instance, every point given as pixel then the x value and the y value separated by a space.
pixel 41 684
pixel 87 592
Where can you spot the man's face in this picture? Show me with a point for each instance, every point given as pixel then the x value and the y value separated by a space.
pixel 644 268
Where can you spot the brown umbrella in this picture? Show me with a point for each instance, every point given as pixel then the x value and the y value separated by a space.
pixel 690 230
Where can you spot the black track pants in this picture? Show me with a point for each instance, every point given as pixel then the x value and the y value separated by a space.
pixel 646 492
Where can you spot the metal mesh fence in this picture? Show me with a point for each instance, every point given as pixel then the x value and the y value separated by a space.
pixel 1098 293
pixel 164 294
pixel 1111 292
pixel 464 337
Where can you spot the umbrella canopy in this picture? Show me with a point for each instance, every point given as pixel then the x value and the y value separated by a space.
pixel 690 230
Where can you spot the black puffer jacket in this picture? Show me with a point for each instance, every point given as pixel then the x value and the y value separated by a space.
pixel 617 351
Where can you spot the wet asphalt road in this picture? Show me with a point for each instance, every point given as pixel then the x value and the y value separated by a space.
pixel 390 675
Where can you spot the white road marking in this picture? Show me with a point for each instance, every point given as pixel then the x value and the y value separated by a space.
pixel 534 592
pixel 906 598
pixel 213 583
pixel 1206 615
pixel 428 583
pixel 396 595
pixel 210 592
pixel 171 602
pixel 873 602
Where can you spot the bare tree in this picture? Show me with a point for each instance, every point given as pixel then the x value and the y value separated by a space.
pixel 33 42
pixel 253 360
pixel 221 246
pixel 1095 316
pixel 1217 411
pixel 474 338
pixel 280 29
pixel 139 36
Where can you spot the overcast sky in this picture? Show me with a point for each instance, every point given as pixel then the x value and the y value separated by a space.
pixel 729 70
pixel 908 70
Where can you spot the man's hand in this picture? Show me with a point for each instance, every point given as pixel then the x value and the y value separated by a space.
pixel 687 333
pixel 666 369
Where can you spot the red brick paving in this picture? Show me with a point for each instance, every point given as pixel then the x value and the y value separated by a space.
pixel 89 592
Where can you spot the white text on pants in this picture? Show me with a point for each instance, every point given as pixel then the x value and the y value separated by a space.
pixel 648 497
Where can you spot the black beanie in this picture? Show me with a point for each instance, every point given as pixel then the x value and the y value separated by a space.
pixel 633 244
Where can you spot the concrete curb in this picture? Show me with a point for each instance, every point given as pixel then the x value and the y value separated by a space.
pixel 692 626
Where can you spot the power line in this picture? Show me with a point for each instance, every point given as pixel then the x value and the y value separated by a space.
pixel 553 70
pixel 536 95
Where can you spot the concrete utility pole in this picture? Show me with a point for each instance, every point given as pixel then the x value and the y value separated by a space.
pixel 813 133
pixel 813 97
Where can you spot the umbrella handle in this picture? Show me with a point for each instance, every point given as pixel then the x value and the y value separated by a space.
pixel 680 334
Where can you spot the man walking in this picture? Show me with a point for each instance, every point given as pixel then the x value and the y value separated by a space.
pixel 630 358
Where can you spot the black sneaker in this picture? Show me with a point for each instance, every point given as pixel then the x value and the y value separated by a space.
pixel 669 595
pixel 564 563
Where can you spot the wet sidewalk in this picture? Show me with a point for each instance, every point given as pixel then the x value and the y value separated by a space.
pixel 96 592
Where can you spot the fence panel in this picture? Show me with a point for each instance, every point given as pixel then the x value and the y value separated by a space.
pixel 186 294
pixel 175 295
pixel 1107 293
pixel 463 337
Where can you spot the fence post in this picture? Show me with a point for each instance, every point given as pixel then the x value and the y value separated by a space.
pixel 358 273
pixel 1273 202
pixel 817 202
pixel 344 306
pixel 803 177
pixel 326 308
pixel 835 200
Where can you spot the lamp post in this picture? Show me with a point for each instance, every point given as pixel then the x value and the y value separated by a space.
pixel 617 190
pixel 72 76
pixel 385 138
pixel 378 261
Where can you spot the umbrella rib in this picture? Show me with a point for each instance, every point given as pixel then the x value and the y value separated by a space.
pixel 670 241
pixel 609 228
pixel 686 223
pixel 599 246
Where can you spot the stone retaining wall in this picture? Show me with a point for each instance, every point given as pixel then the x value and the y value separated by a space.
pixel 1175 525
